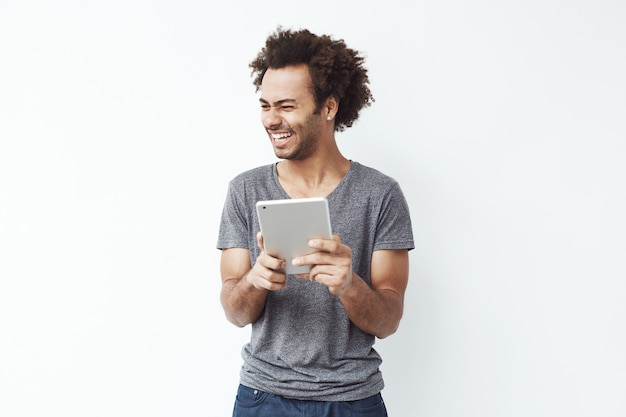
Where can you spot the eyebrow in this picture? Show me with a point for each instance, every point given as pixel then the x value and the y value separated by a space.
pixel 279 102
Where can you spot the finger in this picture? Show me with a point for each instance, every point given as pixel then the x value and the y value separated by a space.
pixel 268 279
pixel 259 240
pixel 333 245
pixel 269 285
pixel 324 279
pixel 275 277
pixel 271 263
pixel 316 259
pixel 305 260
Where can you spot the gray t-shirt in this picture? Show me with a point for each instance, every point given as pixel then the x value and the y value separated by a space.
pixel 304 345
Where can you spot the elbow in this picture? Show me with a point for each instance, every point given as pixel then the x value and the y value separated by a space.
pixel 241 318
pixel 237 321
pixel 390 316
pixel 234 316
pixel 231 315
pixel 390 326
pixel 238 316
pixel 384 333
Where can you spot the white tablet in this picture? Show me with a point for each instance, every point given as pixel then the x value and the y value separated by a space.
pixel 288 225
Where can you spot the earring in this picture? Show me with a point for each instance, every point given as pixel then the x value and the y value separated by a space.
pixel 329 117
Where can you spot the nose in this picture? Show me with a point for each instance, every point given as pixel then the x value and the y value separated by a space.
pixel 270 118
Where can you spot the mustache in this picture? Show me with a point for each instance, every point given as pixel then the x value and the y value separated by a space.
pixel 281 128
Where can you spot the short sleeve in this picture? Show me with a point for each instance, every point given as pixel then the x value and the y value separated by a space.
pixel 394 229
pixel 233 232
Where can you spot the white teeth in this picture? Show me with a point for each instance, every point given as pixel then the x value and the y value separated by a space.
pixel 279 136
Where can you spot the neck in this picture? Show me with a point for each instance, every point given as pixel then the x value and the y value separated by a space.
pixel 316 176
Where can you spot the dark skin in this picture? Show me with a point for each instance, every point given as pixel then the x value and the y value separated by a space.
pixel 312 166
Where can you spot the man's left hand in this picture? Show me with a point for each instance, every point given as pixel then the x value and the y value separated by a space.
pixel 332 264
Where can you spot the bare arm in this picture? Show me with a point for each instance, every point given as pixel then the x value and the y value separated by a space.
pixel 375 309
pixel 378 309
pixel 244 287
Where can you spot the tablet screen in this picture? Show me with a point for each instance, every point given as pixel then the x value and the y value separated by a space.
pixel 288 225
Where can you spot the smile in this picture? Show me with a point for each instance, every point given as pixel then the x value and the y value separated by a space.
pixel 281 136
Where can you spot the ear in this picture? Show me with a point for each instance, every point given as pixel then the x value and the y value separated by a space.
pixel 330 108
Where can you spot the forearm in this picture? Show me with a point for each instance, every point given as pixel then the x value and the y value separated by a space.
pixel 377 312
pixel 242 302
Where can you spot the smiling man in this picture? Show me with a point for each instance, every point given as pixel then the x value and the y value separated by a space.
pixel 311 349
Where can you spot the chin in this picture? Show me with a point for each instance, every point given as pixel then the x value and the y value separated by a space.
pixel 287 156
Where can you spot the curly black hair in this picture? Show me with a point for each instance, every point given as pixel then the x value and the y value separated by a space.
pixel 335 69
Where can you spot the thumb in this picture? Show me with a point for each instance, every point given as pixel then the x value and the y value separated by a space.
pixel 259 239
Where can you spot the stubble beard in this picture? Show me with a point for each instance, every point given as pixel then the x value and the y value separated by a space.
pixel 308 135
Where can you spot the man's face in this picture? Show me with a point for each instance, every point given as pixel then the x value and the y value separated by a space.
pixel 288 112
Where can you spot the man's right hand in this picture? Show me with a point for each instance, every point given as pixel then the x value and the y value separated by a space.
pixel 268 272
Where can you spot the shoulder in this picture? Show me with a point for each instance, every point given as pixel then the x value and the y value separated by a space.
pixel 372 177
pixel 256 184
pixel 253 178
pixel 262 172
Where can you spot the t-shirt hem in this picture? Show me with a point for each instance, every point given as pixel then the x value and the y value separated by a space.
pixel 394 245
pixel 311 395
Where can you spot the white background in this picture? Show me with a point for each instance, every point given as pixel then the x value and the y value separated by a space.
pixel 121 123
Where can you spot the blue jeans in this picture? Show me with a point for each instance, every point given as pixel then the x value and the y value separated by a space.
pixel 251 402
